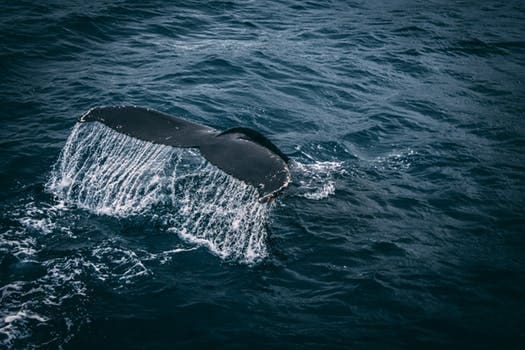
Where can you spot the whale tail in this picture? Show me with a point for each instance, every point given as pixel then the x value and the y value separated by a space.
pixel 240 152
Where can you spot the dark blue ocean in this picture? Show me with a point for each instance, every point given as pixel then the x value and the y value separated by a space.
pixel 404 227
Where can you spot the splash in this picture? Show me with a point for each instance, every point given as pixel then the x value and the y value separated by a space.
pixel 317 169
pixel 317 179
pixel 109 173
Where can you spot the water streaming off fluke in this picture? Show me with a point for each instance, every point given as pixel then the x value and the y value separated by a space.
pixel 110 173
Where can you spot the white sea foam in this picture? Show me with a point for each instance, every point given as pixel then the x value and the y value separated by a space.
pixel 36 289
pixel 395 160
pixel 19 244
pixel 117 265
pixel 29 304
pixel 112 174
pixel 316 180
pixel 165 256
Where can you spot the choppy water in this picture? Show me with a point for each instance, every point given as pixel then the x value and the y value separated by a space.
pixel 404 227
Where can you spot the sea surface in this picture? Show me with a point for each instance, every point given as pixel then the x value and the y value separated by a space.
pixel 404 227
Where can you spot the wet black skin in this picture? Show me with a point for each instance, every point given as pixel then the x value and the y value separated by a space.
pixel 240 152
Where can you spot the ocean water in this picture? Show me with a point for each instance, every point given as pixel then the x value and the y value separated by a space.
pixel 403 228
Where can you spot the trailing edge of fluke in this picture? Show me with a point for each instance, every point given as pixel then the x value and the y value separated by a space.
pixel 240 152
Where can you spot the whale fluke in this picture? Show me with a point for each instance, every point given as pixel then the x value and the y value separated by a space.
pixel 240 152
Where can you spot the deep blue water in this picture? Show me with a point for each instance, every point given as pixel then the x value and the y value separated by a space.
pixel 404 227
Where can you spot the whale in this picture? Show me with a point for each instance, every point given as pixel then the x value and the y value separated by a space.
pixel 241 152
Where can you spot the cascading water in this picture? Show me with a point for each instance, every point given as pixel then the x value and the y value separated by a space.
pixel 109 173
